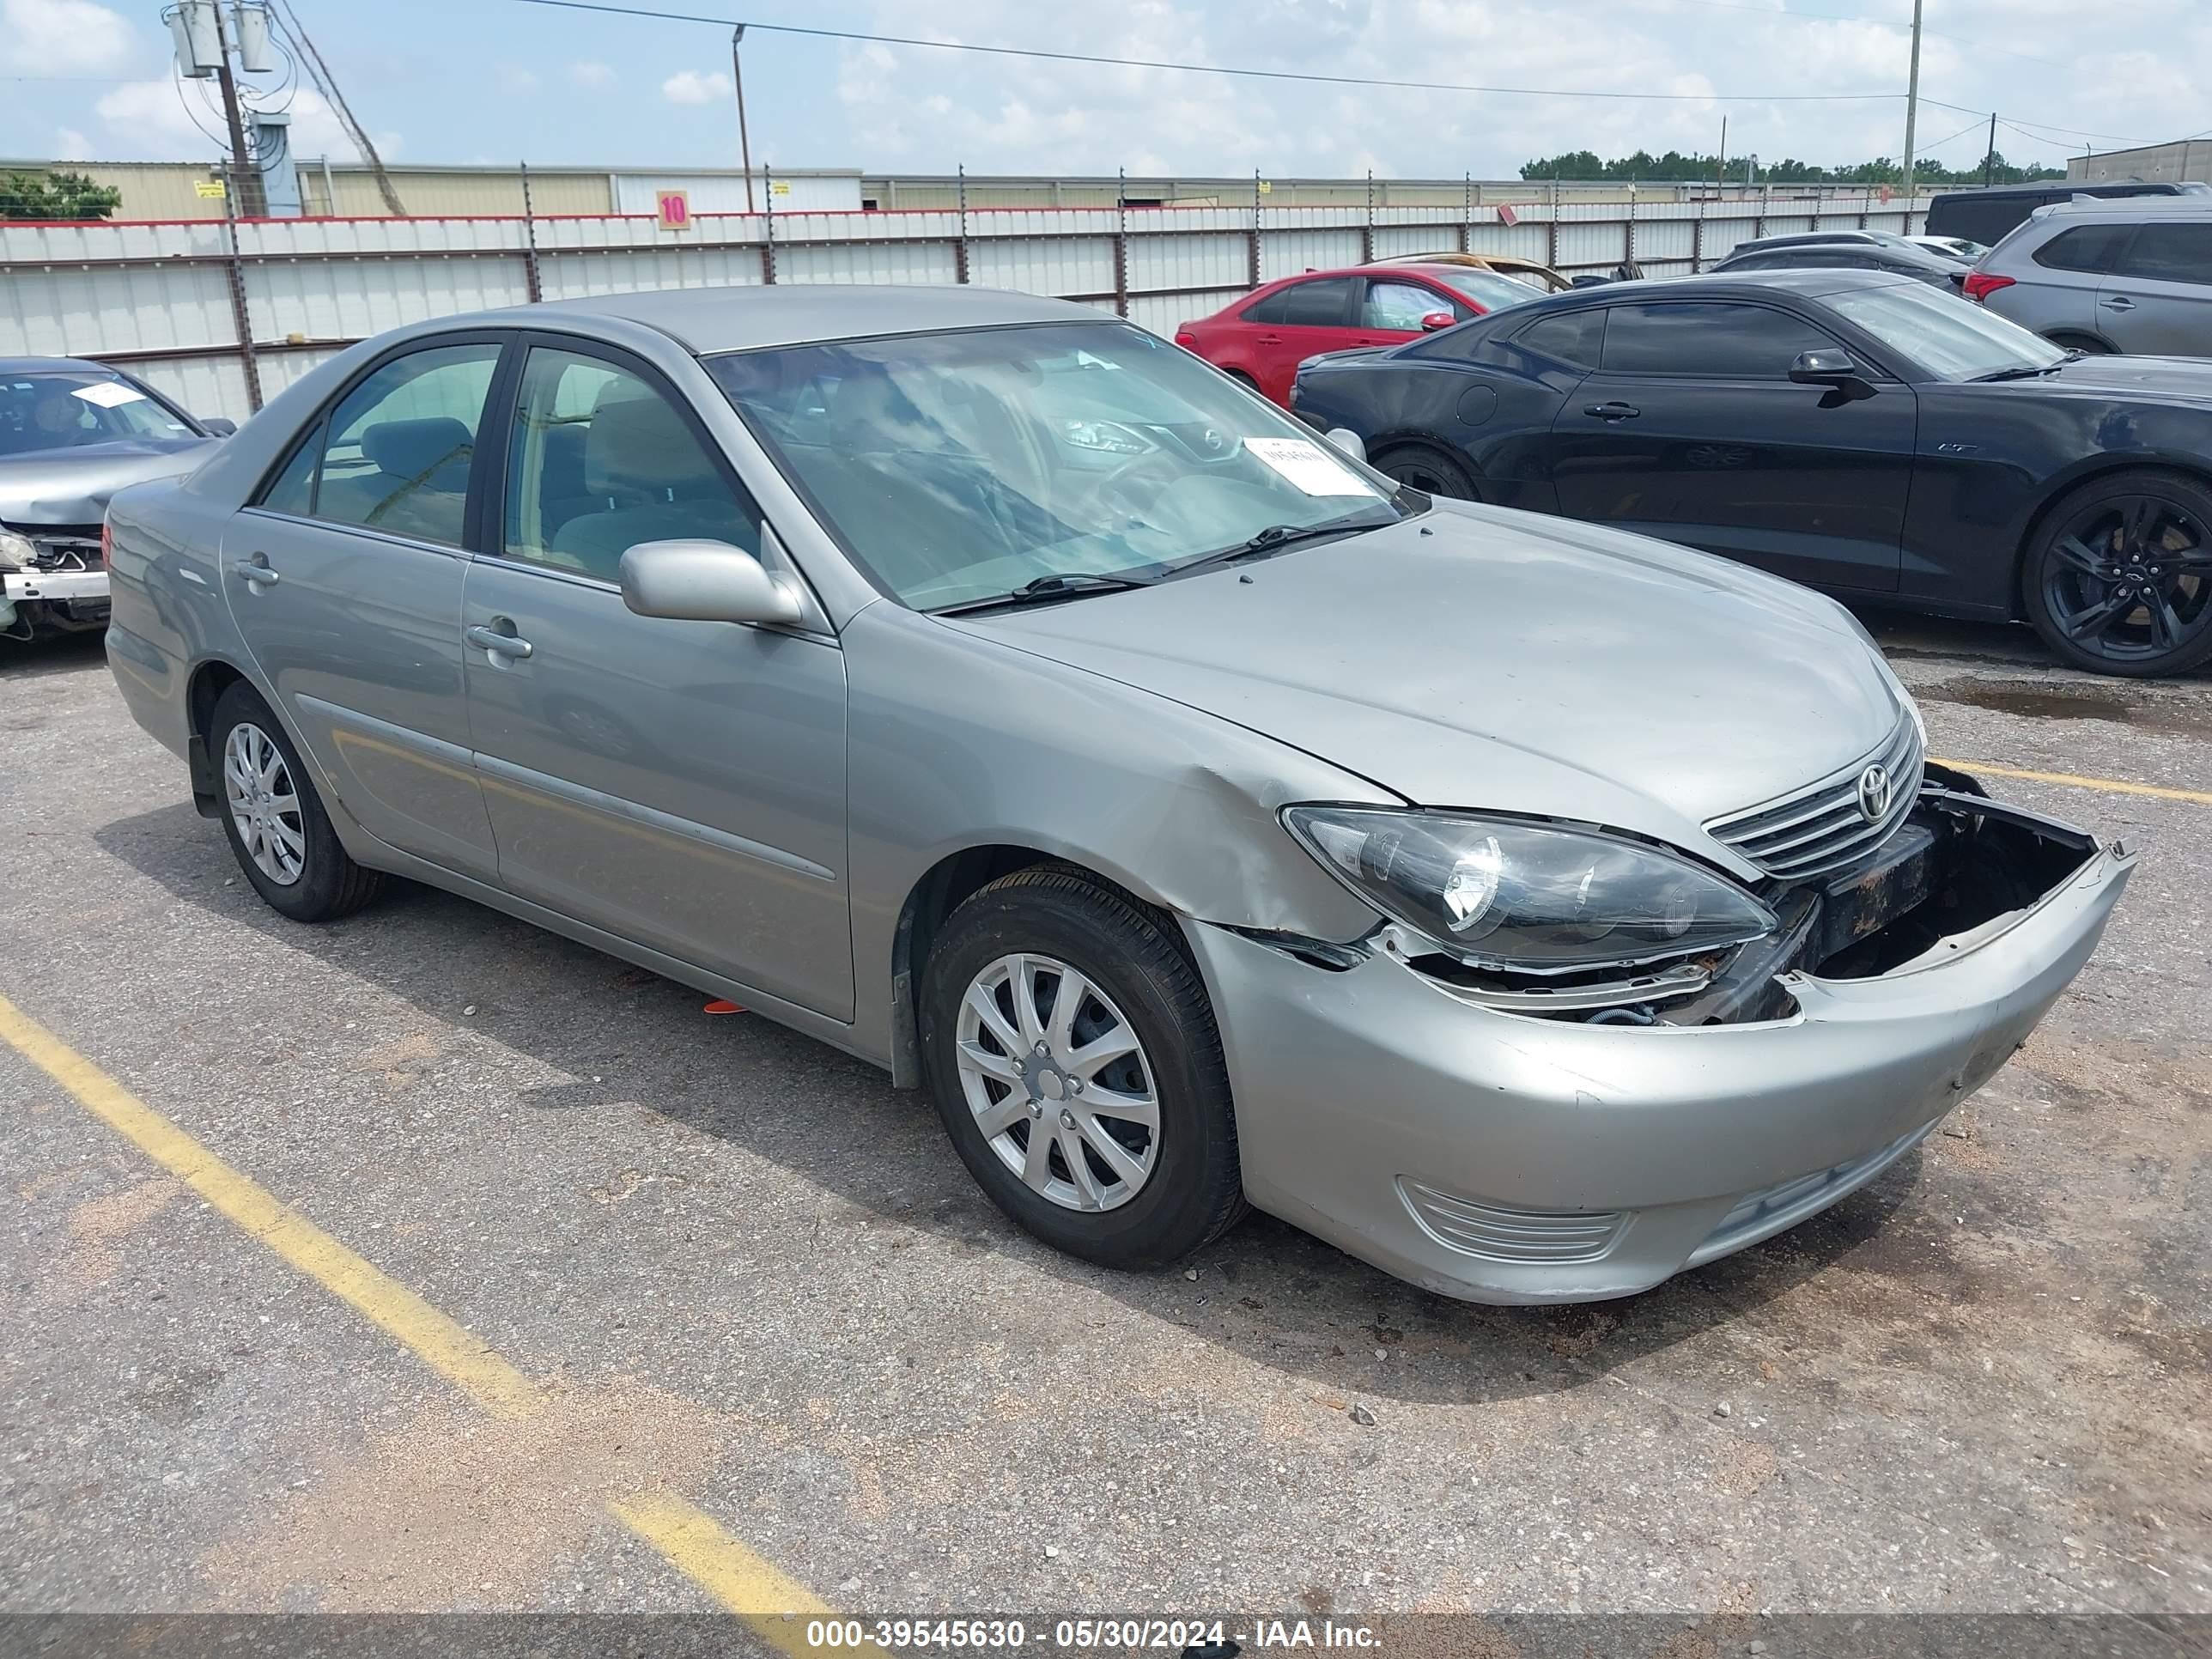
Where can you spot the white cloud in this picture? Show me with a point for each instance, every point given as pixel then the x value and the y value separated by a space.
pixel 512 77
pixel 689 87
pixel 162 120
pixel 591 74
pixel 65 37
pixel 70 145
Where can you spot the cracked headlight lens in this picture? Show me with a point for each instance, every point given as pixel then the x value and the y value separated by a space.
pixel 16 552
pixel 1525 897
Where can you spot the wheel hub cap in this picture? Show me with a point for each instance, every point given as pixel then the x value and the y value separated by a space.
pixel 264 804
pixel 2129 578
pixel 1058 1083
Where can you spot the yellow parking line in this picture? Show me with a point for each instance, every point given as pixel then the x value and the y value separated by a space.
pixel 693 1543
pixel 2071 781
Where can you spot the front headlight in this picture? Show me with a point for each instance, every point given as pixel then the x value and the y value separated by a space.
pixel 1525 897
pixel 16 552
pixel 1111 436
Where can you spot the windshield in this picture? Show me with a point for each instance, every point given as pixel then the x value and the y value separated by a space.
pixel 63 411
pixel 1490 289
pixel 957 467
pixel 1952 338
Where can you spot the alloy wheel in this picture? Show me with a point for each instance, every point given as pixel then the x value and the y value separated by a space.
pixel 264 806
pixel 1058 1083
pixel 2129 578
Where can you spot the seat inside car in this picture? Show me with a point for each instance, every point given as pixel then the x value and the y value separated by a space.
pixel 649 481
pixel 419 484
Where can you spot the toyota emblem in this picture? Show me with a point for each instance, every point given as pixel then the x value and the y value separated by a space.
pixel 1874 794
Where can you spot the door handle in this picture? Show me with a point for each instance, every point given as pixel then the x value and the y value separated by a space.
pixel 1613 411
pixel 498 644
pixel 1268 339
pixel 256 570
pixel 2119 302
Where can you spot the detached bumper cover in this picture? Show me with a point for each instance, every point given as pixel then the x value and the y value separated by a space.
pixel 1504 1158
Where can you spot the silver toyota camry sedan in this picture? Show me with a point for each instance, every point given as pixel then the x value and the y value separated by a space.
pixel 993 690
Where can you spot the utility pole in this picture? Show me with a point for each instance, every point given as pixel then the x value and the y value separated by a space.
pixel 738 80
pixel 1911 112
pixel 1989 155
pixel 1720 161
pixel 244 178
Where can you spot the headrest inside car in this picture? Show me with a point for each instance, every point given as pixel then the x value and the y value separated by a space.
pixel 641 443
pixel 418 449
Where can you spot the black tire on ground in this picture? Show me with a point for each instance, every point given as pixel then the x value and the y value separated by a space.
pixel 1427 469
pixel 329 885
pixel 1242 378
pixel 1195 1191
pixel 2102 555
pixel 2088 342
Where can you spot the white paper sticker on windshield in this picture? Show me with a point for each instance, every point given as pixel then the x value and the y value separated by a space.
pixel 106 394
pixel 1309 466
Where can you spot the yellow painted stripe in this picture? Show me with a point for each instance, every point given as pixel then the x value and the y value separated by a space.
pixel 695 1543
pixel 2071 781
pixel 439 1341
pixel 741 1580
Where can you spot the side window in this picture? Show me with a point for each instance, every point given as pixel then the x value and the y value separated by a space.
pixel 1402 305
pixel 1572 337
pixel 400 444
pixel 2170 254
pixel 293 490
pixel 1270 310
pixel 1716 340
pixel 2093 248
pixel 1325 304
pixel 600 460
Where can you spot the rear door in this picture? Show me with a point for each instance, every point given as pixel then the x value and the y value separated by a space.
pixel 1693 430
pixel 1297 321
pixel 2158 301
pixel 344 576
pixel 680 784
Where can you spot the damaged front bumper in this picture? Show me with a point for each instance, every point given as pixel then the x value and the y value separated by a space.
pixel 1503 1156
pixel 55 579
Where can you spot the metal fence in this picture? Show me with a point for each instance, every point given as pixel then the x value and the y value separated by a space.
pixel 222 314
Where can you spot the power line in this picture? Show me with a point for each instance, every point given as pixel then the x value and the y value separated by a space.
pixel 1970 126
pixel 1222 69
pixel 2077 132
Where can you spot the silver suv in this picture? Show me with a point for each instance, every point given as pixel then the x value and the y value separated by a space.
pixel 2132 275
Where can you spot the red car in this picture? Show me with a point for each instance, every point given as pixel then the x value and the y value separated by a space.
pixel 1262 339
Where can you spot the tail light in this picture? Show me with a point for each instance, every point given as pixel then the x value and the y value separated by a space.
pixel 1186 339
pixel 106 546
pixel 1980 284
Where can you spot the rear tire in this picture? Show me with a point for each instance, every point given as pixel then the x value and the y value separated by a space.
pixel 2118 578
pixel 1045 935
pixel 274 819
pixel 2084 342
pixel 1428 470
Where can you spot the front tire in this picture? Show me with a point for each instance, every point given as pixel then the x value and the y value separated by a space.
pixel 1069 1047
pixel 2086 344
pixel 274 819
pixel 2119 578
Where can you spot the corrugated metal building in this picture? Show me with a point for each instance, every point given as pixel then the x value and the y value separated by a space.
pixel 2183 159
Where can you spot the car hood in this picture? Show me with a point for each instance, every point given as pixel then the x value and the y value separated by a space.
pixel 71 486
pixel 1479 657
pixel 2163 377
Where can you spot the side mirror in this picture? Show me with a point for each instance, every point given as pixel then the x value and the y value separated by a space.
pixel 705 581
pixel 1434 320
pixel 1832 367
pixel 221 426
pixel 1344 438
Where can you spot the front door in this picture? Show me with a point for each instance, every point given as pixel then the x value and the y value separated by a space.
pixel 2158 303
pixel 1295 323
pixel 344 577
pixel 1692 430
pixel 681 784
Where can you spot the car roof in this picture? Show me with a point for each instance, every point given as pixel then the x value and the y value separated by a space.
pixel 707 320
pixel 1877 237
pixel 1810 284
pixel 1997 193
pixel 2126 207
pixel 49 365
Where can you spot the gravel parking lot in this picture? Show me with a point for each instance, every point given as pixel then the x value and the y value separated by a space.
pixel 738 1269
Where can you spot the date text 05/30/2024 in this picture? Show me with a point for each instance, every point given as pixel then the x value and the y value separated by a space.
pixel 1212 1638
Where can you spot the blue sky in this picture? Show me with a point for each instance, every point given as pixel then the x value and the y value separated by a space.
pixel 473 81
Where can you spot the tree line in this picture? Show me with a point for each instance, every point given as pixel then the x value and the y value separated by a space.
pixel 1675 166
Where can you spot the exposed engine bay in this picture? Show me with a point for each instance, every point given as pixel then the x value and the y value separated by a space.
pixel 51 580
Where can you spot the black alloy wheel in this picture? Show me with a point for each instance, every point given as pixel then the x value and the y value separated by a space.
pixel 1429 470
pixel 2122 582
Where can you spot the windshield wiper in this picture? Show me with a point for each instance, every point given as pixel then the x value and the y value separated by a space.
pixel 1066 585
pixel 2028 371
pixel 1277 536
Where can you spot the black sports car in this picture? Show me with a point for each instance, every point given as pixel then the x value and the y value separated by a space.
pixel 1860 432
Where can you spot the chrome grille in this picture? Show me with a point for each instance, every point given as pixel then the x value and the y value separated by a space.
pixel 1499 1234
pixel 1822 829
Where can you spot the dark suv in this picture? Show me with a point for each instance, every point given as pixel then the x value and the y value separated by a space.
pixel 1987 215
